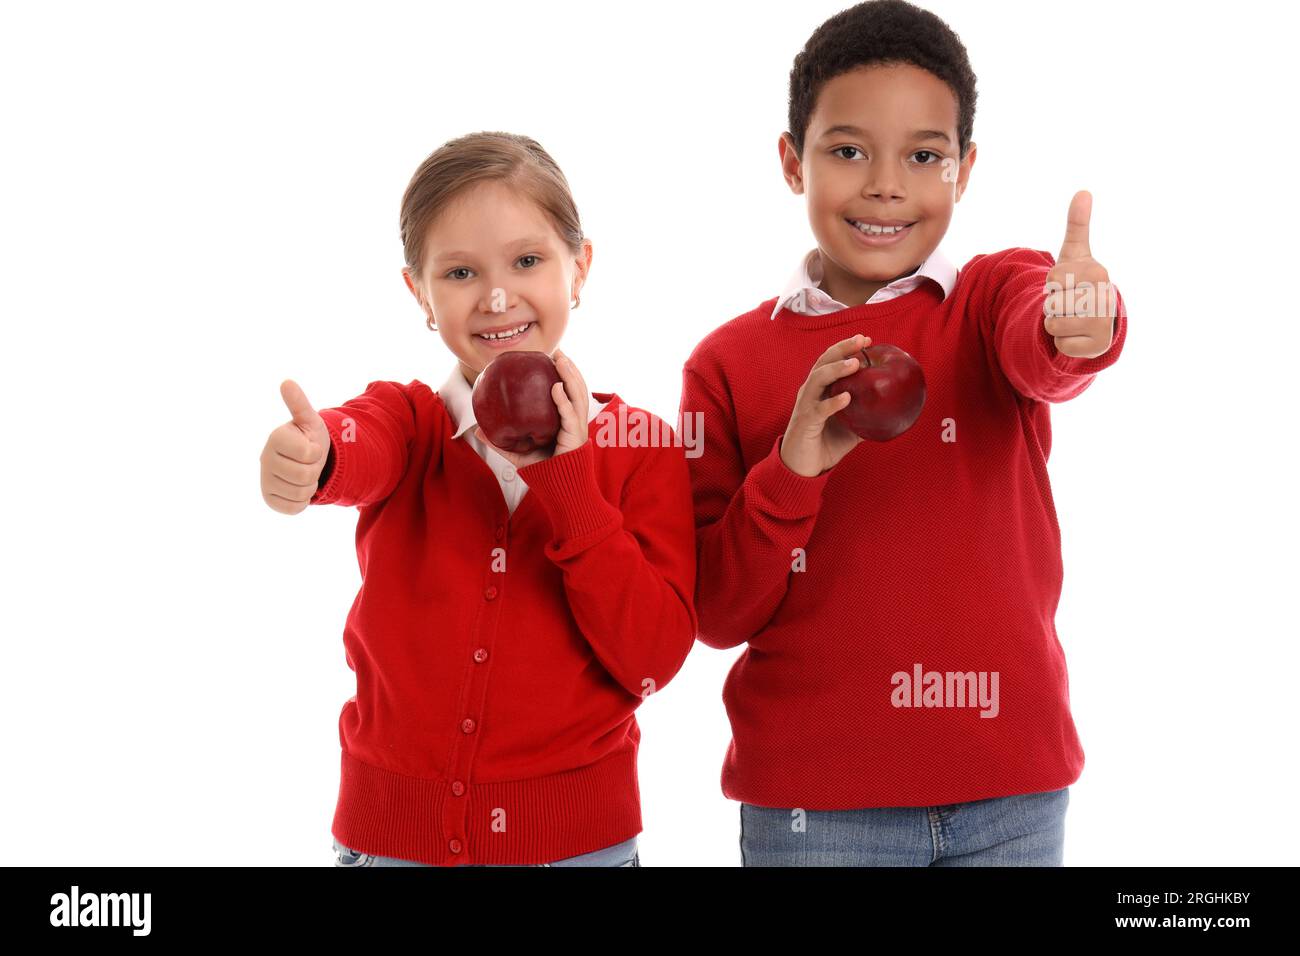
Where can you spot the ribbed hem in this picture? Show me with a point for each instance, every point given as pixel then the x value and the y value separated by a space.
pixel 520 822
pixel 848 788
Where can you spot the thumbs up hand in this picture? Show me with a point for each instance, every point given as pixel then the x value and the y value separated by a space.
pixel 295 454
pixel 1079 307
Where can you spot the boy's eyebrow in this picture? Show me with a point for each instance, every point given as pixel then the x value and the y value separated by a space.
pixel 526 241
pixel 916 134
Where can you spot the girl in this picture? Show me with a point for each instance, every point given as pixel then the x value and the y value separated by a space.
pixel 514 609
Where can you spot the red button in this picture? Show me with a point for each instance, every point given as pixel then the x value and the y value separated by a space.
pixel 467 725
pixel 501 530
pixel 457 787
pixel 455 846
pixel 491 592
pixel 480 655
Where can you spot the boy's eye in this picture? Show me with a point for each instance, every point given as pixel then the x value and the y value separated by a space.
pixel 839 151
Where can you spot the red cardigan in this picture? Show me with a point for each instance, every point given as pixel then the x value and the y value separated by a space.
pixel 938 551
pixel 499 659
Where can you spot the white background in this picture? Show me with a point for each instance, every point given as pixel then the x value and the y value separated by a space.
pixel 199 201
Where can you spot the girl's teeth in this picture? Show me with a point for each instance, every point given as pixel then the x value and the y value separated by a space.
pixel 505 335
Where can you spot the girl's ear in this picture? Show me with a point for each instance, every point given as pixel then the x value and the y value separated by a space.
pixel 582 265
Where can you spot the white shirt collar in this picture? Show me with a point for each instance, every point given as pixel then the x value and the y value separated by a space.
pixel 807 279
pixel 457 396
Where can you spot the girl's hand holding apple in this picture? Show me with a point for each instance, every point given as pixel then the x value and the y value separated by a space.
pixel 572 401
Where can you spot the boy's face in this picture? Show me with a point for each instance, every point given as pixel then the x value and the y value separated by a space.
pixel 871 153
pixel 493 260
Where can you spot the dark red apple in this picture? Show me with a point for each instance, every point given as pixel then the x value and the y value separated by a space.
pixel 513 404
pixel 888 392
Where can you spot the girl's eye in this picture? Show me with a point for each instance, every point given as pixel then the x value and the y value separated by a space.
pixel 454 271
pixel 529 256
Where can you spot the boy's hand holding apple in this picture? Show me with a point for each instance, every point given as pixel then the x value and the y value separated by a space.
pixel 1079 308
pixel 815 440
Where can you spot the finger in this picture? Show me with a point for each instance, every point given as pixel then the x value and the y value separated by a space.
pixel 1077 220
pixel 575 384
pixel 283 505
pixel 294 445
pixel 294 472
pixel 303 414
pixel 1093 326
pixel 568 417
pixel 288 490
pixel 1078 302
pixel 824 375
pixel 841 349
pixel 827 407
pixel 1077 345
pixel 561 398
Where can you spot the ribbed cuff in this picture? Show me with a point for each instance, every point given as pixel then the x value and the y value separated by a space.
pixel 786 493
pixel 566 484
pixel 328 493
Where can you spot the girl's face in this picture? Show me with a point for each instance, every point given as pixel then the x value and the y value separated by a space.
pixel 494 263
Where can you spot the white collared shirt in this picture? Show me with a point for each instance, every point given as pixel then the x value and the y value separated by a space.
pixel 807 280
pixel 456 395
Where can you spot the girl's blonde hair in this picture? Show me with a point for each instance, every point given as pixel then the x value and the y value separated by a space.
pixel 516 160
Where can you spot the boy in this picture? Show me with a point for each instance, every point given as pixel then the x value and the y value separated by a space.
pixel 903 699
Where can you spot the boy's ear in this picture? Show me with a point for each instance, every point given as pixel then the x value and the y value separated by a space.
pixel 791 165
pixel 963 172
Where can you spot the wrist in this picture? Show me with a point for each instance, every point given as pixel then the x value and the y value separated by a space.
pixel 791 466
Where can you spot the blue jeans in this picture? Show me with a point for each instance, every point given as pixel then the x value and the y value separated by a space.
pixel 620 854
pixel 1023 830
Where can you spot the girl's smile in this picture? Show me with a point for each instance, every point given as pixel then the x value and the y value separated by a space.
pixel 502 337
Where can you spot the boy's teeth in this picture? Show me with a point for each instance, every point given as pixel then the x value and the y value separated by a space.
pixel 878 230
pixel 511 333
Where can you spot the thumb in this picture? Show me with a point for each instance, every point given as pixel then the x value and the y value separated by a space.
pixel 1076 228
pixel 304 416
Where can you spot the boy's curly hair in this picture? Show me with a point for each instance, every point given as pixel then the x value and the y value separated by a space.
pixel 881 32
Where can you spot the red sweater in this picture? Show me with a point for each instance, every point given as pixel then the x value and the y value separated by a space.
pixel 499 658
pixel 917 553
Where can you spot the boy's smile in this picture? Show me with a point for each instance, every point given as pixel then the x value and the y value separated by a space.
pixel 881 171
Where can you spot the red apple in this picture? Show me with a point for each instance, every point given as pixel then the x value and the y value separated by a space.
pixel 513 404
pixel 888 392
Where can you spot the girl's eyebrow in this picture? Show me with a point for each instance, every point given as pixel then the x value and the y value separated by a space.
pixel 518 243
pixel 919 134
